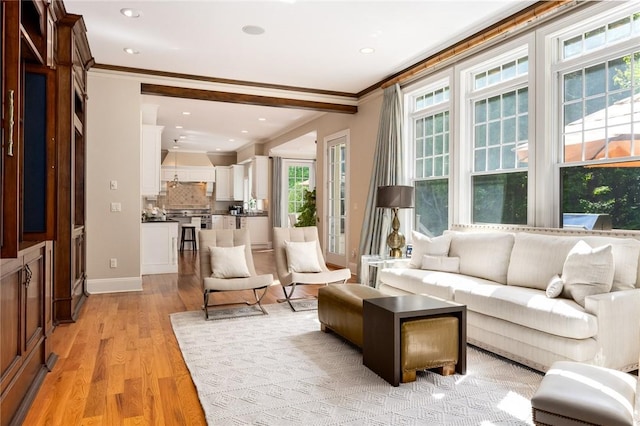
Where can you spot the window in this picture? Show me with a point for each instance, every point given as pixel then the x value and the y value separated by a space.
pixel 600 129
pixel 298 184
pixel 500 117
pixel 430 130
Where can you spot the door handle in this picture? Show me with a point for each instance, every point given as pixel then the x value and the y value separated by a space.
pixel 28 274
pixel 11 123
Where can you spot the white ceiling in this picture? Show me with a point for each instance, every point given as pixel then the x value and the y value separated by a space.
pixel 311 44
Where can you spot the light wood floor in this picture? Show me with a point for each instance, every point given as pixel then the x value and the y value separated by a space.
pixel 119 364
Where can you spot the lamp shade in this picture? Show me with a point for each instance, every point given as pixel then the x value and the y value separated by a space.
pixel 395 196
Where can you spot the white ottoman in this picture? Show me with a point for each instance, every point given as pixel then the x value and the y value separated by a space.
pixel 572 393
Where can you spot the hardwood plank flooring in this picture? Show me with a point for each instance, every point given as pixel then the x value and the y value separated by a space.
pixel 119 364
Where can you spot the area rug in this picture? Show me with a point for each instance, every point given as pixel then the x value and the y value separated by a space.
pixel 280 369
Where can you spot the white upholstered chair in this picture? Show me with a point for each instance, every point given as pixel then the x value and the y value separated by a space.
pixel 224 268
pixel 290 275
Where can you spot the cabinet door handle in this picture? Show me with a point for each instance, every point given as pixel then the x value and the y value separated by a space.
pixel 11 123
pixel 28 275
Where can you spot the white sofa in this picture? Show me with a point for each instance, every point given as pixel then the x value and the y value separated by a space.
pixel 503 276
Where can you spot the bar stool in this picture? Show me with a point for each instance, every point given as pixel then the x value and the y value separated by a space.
pixel 190 229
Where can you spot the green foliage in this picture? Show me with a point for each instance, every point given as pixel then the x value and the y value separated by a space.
pixel 307 215
pixel 606 190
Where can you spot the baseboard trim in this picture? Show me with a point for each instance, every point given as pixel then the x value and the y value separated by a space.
pixel 114 285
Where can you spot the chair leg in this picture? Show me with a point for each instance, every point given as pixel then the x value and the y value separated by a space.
pixel 206 305
pixel 287 297
pixel 259 299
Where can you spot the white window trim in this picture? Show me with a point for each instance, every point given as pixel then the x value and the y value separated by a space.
pixel 463 191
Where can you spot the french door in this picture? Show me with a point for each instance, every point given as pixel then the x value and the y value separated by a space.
pixel 336 160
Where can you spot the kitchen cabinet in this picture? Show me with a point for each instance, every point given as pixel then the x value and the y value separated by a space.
pixel 217 221
pixel 223 184
pixel 159 251
pixel 186 174
pixel 237 185
pixel 230 183
pixel 259 230
pixel 230 222
pixel 150 159
pixel 259 177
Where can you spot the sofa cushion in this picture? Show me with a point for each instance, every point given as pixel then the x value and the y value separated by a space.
pixel 432 283
pixel 587 271
pixel 530 308
pixel 536 258
pixel 441 263
pixel 625 258
pixel 482 254
pixel 437 246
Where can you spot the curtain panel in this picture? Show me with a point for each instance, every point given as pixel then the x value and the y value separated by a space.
pixel 276 193
pixel 387 170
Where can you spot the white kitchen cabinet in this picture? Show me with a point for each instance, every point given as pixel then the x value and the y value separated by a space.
pixel 223 184
pixel 150 160
pixel 237 187
pixel 159 241
pixel 259 228
pixel 230 222
pixel 260 177
pixel 217 221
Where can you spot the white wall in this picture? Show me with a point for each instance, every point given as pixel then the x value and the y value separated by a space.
pixel 113 153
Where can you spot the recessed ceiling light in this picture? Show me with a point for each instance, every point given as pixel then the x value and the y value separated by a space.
pixel 178 127
pixel 367 50
pixel 183 137
pixel 218 149
pixel 186 113
pixel 252 30
pixel 176 147
pixel 232 140
pixel 131 51
pixel 262 119
pixel 130 13
pixel 244 131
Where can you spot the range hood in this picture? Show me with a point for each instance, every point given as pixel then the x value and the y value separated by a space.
pixel 187 159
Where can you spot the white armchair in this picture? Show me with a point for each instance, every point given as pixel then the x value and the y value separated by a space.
pixel 224 269
pixel 290 275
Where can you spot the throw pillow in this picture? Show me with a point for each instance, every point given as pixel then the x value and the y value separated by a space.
pixel 228 262
pixel 554 288
pixel 441 263
pixel 587 271
pixel 437 246
pixel 302 256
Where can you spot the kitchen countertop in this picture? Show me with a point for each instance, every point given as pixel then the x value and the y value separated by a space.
pixel 160 221
pixel 241 215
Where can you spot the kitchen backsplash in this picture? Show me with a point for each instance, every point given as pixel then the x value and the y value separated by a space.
pixel 187 194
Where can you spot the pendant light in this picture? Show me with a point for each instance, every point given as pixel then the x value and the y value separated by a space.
pixel 175 182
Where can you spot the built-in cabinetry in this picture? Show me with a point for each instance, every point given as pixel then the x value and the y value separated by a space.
pixel 188 174
pixel 259 177
pixel 217 221
pixel 73 59
pixel 25 288
pixel 159 248
pixel 150 159
pixel 229 182
pixel 45 56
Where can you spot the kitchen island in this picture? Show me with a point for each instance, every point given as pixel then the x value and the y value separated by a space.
pixel 159 247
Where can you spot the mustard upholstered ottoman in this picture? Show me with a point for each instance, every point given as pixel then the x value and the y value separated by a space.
pixel 429 343
pixel 340 309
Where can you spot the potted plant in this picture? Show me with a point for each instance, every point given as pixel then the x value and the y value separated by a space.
pixel 307 216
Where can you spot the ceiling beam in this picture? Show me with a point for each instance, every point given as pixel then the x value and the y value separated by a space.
pixel 240 98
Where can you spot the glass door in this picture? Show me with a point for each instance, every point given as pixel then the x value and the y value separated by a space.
pixel 336 197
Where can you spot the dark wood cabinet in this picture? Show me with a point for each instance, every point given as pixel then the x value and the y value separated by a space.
pixel 25 295
pixel 45 57
pixel 73 58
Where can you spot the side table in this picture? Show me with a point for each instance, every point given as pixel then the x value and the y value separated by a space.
pixel 369 261
pixel 382 320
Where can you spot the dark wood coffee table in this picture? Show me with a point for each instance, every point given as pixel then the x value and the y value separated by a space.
pixel 382 321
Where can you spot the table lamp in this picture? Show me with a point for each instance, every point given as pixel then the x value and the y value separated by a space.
pixel 395 197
